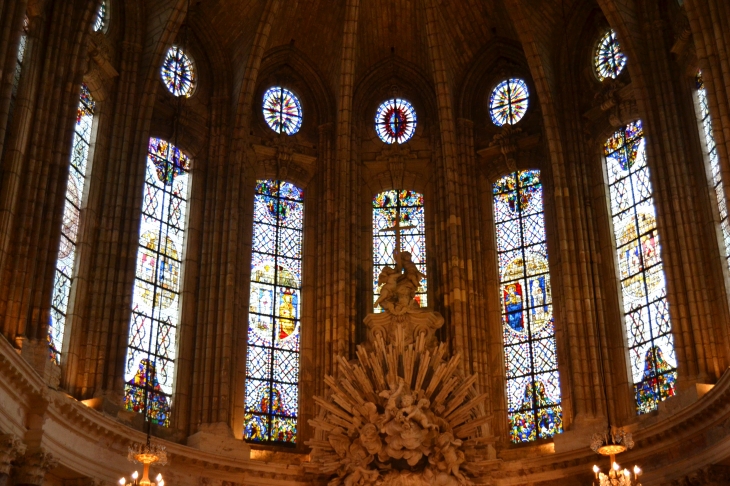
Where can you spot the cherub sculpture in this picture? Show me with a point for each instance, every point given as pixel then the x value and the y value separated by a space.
pixel 399 285
pixel 418 413
pixel 388 278
pixel 448 457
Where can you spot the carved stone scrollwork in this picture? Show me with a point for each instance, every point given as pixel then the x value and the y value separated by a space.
pixel 507 140
pixel 395 156
pixel 10 448
pixel 33 466
pixel 714 475
pixel 403 415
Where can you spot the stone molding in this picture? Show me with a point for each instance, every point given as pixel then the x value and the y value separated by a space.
pixel 72 429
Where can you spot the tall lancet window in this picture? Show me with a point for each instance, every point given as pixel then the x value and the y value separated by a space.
pixel 399 226
pixel 530 354
pixel 152 341
pixel 714 166
pixel 638 254
pixel 19 65
pixel 272 358
pixel 70 223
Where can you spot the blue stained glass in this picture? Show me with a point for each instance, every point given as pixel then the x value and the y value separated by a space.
pixel 272 358
pixel 638 252
pixel 609 60
pixel 395 121
pixel 531 365
pixel 401 211
pixel 100 22
pixel 71 219
pixel 178 73
pixel 152 344
pixel 714 165
pixel 282 111
pixel 508 102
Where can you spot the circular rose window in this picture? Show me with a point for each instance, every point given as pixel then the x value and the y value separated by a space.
pixel 395 121
pixel 508 103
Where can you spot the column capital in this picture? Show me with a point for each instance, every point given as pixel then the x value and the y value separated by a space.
pixel 10 448
pixel 33 466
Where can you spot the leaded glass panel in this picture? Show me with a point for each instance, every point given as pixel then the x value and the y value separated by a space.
pixel 100 22
pixel 641 270
pixel 530 353
pixel 178 73
pixel 609 60
pixel 272 358
pixel 282 110
pixel 399 225
pixel 18 70
pixel 395 121
pixel 152 345
pixel 509 101
pixel 714 159
pixel 70 221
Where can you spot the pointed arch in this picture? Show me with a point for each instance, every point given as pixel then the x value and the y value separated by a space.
pixel 274 327
pixel 534 400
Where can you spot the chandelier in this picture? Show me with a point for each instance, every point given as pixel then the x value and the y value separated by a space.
pixel 146 454
pixel 615 441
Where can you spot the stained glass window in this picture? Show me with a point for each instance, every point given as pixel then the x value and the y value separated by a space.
pixel 399 225
pixel 151 352
pixel 18 67
pixel 638 254
pixel 528 329
pixel 282 110
pixel 100 22
pixel 70 223
pixel 609 60
pixel 711 147
pixel 509 101
pixel 272 361
pixel 178 72
pixel 395 121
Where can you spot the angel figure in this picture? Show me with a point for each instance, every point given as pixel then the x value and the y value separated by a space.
pixel 451 456
pixel 410 270
pixel 391 407
pixel 388 278
pixel 417 413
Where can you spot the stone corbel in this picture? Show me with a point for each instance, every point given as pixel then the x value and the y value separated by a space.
pixel 10 448
pixel 100 69
pixel 33 466
pixel 625 112
pixel 281 158
pixel 507 141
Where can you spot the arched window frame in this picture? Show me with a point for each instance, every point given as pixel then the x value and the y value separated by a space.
pixel 76 191
pixel 415 239
pixel 167 175
pixel 552 411
pixel 712 165
pixel 260 421
pixel 636 354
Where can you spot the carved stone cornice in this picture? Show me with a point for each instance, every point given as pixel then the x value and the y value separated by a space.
pixel 714 475
pixel 395 156
pixel 283 158
pixel 10 448
pixel 33 466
